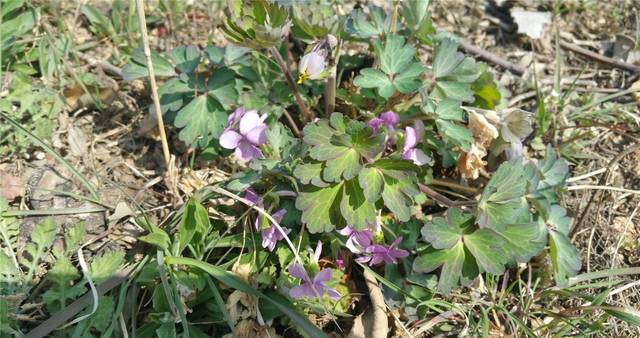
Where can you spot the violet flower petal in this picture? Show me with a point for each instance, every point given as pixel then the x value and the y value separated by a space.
pixel 298 271
pixel 257 135
pixel 230 139
pixel 247 151
pixel 250 120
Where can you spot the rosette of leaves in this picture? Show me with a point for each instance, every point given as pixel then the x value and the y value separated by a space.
pixel 345 180
pixel 398 71
pixel 256 24
pixel 195 101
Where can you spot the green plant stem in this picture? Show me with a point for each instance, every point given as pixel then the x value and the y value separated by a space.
pixel 306 113
pixel 152 79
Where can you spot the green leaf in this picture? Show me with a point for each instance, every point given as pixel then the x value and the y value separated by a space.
pixel 61 275
pixel 399 71
pixel 105 265
pixel 341 146
pixel 195 219
pixel 553 170
pixel 486 248
pixel 450 110
pixel 99 23
pixel 451 260
pixel 310 173
pixel 321 207
pixel 446 58
pixel 356 210
pixel 359 26
pixel 502 199
pixel 186 58
pixel 456 133
pixel 486 91
pixel 565 258
pixel 73 238
pixel 371 181
pixel 454 90
pixel 374 78
pixel 523 241
pixel 202 116
pixel 445 233
pixel 222 86
pixel 137 67
pixel 234 282
pixel 41 240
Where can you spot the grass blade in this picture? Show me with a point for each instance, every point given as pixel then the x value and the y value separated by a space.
pixel 53 153
pixel 234 282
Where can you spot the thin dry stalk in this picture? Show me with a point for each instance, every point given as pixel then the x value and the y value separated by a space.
pixel 306 113
pixel 152 79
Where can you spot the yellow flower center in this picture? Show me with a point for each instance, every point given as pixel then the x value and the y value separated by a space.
pixel 303 77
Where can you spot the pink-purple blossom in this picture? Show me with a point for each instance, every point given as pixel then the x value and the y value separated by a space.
pixel 389 119
pixel 412 137
pixel 376 253
pixel 245 132
pixel 359 240
pixel 311 288
pixel 270 233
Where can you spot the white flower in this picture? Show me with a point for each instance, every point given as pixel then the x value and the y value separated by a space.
pixel 311 66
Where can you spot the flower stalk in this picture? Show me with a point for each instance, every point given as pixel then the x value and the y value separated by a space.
pixel 306 113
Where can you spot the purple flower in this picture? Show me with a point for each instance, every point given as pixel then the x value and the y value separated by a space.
pixel 311 66
pixel 249 135
pixel 358 240
pixel 412 137
pixel 390 119
pixel 271 235
pixel 311 288
pixel 376 253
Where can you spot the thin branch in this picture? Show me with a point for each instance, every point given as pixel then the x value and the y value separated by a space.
pixel 600 58
pixel 602 187
pixel 444 200
pixel 152 79
pixel 292 123
pixel 306 113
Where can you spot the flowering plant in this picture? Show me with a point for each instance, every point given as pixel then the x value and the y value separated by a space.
pixel 367 174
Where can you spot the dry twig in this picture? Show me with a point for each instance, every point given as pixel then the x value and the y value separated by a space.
pixel 152 79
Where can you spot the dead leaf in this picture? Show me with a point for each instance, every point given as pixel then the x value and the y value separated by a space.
pixel 483 131
pixel 122 210
pixel 530 23
pixel 11 186
pixel 77 141
pixel 470 163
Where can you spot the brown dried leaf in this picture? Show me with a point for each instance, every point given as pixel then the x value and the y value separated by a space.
pixel 77 141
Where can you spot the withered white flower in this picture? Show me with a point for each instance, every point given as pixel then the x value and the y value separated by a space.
pixel 516 125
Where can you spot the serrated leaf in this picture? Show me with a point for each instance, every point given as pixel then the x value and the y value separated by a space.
pixel 321 207
pixel 356 210
pixel 310 173
pixel 454 90
pixel 395 56
pixel 503 197
pixel 73 237
pixel 62 274
pixel 202 116
pixel 104 266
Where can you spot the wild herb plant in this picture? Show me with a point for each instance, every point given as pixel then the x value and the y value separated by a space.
pixel 352 183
